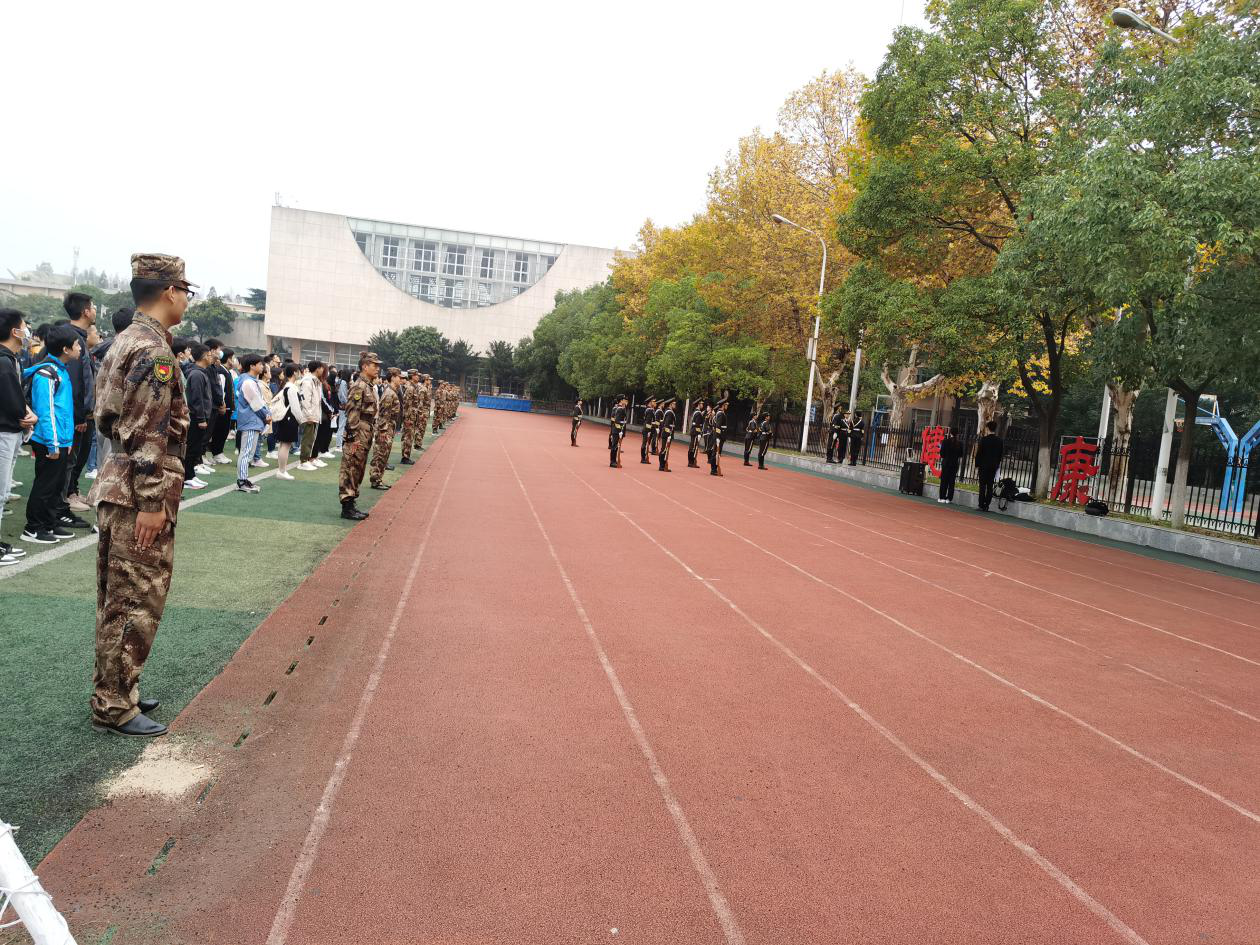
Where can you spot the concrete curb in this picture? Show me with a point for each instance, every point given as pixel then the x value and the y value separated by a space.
pixel 1234 554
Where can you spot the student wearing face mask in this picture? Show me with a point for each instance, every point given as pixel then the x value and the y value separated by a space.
pixel 16 418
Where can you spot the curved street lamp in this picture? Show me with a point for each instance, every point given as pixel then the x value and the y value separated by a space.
pixel 1126 19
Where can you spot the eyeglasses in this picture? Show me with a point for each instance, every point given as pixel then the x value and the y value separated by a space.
pixel 190 293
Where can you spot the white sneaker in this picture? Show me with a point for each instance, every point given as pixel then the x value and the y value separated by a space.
pixel 194 484
pixel 90 474
pixel 77 504
pixel 273 455
pixel 259 464
pixel 14 484
pixel 204 469
pixel 318 463
pixel 328 455
pixel 284 475
pixel 221 460
pixel 22 452
pixel 200 480
pixel 306 467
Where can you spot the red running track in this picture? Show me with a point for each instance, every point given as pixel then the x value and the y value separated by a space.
pixel 552 702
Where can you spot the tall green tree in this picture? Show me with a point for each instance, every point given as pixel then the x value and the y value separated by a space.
pixel 420 347
pixel 458 360
pixel 257 298
pixel 385 344
pixel 499 360
pixel 209 319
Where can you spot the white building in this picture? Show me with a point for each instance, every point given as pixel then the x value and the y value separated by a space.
pixel 334 281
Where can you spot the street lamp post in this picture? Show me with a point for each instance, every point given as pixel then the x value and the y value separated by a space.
pixel 813 344
pixel 1125 18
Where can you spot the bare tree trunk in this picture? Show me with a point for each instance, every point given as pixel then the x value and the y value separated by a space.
pixel 986 405
pixel 903 392
pixel 1124 401
pixel 1045 429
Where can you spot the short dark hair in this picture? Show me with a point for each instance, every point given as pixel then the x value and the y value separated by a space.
pixel 145 291
pixel 41 331
pixel 228 354
pixel 213 343
pixel 314 365
pixel 991 426
pixel 198 350
pixel 122 319
pixel 76 303
pixel 10 318
pixel 248 361
pixel 60 339
pixel 178 347
pixel 289 370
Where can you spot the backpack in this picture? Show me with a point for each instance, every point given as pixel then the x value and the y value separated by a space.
pixel 1007 491
pixel 45 370
pixel 1096 507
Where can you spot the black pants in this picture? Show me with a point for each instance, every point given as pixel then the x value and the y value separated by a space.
pixel 949 473
pixel 47 501
pixel 577 422
pixel 196 446
pixel 666 439
pixel 761 452
pixel 323 436
pixel 837 443
pixel 748 445
pixel 220 426
pixel 987 475
pixel 692 449
pixel 647 441
pixel 614 442
pixel 855 448
pixel 79 457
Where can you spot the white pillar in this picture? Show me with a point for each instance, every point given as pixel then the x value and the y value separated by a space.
pixel 1160 489
pixel 32 904
pixel 857 371
pixel 1104 419
pixel 685 426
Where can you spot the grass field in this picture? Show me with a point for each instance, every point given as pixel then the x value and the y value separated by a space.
pixel 52 763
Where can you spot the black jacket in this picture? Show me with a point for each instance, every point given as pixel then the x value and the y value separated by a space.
pixel 221 389
pixel 82 380
pixel 951 452
pixel 200 403
pixel 12 400
pixel 989 451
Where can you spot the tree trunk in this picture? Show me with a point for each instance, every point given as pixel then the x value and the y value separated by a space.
pixel 1045 430
pixel 1125 401
pixel 986 405
pixel 1181 477
pixel 903 392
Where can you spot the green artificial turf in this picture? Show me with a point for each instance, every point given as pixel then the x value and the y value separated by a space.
pixel 237 556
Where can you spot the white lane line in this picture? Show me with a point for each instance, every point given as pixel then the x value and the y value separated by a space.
pixel 88 540
pixel 952 535
pixel 721 908
pixel 323 814
pixel 980 603
pixel 1013 580
pixel 996 677
pixel 1089 902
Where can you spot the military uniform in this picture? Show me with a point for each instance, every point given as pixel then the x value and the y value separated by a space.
pixel 386 426
pixel 410 415
pixel 361 408
pixel 649 424
pixel 715 439
pixel 857 433
pixel 697 434
pixel 668 421
pixel 140 407
pixel 576 422
pixel 750 435
pixel 424 407
pixel 838 437
pixel 616 430
pixel 764 432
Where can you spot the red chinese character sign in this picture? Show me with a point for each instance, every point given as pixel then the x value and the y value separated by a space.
pixel 932 439
pixel 1076 468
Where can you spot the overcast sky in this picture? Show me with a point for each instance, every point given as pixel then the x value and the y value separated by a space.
pixel 170 127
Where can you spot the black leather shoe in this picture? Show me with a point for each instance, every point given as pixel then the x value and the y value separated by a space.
pixel 148 705
pixel 139 727
pixel 380 486
pixel 406 462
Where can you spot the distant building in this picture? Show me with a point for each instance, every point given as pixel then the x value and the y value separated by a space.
pixel 334 281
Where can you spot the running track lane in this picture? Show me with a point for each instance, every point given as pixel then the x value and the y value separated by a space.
pixel 602 709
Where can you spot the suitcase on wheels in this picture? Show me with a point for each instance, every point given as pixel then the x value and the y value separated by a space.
pixel 911 478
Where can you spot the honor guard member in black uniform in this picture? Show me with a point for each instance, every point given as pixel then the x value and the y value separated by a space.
pixel 649 422
pixel 857 432
pixel 577 421
pixel 617 431
pixel 717 437
pixel 838 439
pixel 750 437
pixel 655 444
pixel 669 419
pixel 697 433
pixel 764 430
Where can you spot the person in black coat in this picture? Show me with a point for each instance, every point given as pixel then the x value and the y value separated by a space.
pixel 617 430
pixel 200 402
pixel 988 459
pixel 576 415
pixel 951 456
pixel 837 436
pixel 857 433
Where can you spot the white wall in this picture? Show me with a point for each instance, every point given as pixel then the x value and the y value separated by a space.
pixel 321 287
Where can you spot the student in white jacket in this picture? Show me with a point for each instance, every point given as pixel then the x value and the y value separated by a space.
pixel 310 390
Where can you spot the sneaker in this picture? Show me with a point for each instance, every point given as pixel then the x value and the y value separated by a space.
pixel 194 484
pixel 11 497
pixel 284 475
pixel 245 485
pixel 39 538
pixel 273 455
pixel 259 464
pixel 72 521
pixel 318 463
pixel 76 503
pixel 14 484
pixel 221 460
pixel 61 533
pixel 307 467
pixel 7 549
pixel 90 474
pixel 204 470
pixel 7 559
pixel 327 455
pixel 22 452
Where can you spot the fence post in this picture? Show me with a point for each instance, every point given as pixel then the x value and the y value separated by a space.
pixel 1130 475
pixel 21 889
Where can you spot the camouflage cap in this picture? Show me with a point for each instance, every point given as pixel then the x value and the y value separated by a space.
pixel 367 356
pixel 413 373
pixel 159 267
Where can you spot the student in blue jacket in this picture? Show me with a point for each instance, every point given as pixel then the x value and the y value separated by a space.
pixel 48 516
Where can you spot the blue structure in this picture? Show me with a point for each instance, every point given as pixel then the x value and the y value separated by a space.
pixel 504 403
pixel 1237 455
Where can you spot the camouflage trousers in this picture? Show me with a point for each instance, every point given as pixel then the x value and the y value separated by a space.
pixel 380 456
pixel 131 588
pixel 354 458
pixel 412 436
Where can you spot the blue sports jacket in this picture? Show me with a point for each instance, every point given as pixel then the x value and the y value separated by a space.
pixel 52 399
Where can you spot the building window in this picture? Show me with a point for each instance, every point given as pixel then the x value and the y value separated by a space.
pixel 456 261
pixel 424 257
pixel 389 252
pixel 316 351
pixel 452 293
pixel 487 264
pixel 391 277
pixel 547 263
pixel 483 293
pixel 520 268
pixel 361 239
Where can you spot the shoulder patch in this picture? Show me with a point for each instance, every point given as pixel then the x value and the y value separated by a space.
pixel 163 368
pixel 357 395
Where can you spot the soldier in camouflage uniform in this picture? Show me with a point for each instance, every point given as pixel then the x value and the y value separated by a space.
pixel 426 405
pixel 386 427
pixel 140 407
pixel 410 414
pixel 361 408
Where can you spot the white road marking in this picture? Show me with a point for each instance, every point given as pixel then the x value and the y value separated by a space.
pixel 721 908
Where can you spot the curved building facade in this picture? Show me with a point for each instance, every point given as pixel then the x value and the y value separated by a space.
pixel 334 281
